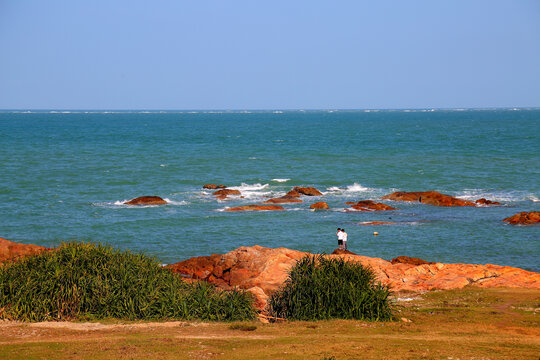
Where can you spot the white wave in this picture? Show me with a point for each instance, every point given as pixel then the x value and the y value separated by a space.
pixel 172 202
pixel 252 158
pixel 250 187
pixel 277 112
pixel 281 180
pixel 163 165
pixel 354 188
pixel 500 196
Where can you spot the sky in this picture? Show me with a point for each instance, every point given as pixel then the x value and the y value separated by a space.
pixel 206 54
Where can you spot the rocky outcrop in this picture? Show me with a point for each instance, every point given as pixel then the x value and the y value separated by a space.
pixel 428 197
pixel 524 218
pixel 146 200
pixel 321 205
pixel 486 202
pixel 368 205
pixel 10 250
pixel 227 192
pixel 257 208
pixel 308 191
pixel 283 200
pixel 410 260
pixel 263 270
pixel 213 186
pixel 342 252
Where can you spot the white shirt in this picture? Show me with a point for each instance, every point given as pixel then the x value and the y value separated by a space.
pixel 340 235
pixel 343 235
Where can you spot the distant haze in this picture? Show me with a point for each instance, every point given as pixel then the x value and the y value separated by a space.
pixel 269 55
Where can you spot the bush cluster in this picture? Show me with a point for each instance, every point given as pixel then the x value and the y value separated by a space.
pixel 320 288
pixel 93 281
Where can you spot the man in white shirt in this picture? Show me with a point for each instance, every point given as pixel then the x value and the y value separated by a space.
pixel 339 238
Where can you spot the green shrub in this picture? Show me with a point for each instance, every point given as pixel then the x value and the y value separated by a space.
pixel 325 288
pixel 93 281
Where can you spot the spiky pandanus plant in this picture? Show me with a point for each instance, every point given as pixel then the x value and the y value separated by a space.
pixel 94 281
pixel 319 288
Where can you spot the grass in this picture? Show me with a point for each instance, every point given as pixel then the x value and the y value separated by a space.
pixel 81 281
pixel 320 288
pixel 468 330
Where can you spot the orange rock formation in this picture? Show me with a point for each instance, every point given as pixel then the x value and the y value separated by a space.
pixel 262 271
pixel 146 200
pixel 10 250
pixel 524 218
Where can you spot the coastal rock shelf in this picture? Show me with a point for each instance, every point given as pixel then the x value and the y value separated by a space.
pixel 10 250
pixel 262 271
pixel 428 197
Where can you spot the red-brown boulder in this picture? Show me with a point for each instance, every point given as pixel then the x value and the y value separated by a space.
pixel 213 186
pixel 483 201
pixel 409 260
pixel 308 191
pixel 342 252
pixel 321 205
pixel 524 218
pixel 10 251
pixel 227 192
pixel 146 200
pixel 257 208
pixel 283 200
pixel 428 197
pixel 293 193
pixel 368 205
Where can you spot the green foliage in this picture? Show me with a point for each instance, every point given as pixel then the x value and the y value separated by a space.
pixel 327 288
pixel 93 281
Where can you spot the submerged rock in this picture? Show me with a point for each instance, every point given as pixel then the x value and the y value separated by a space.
pixel 524 218
pixel 321 205
pixel 227 192
pixel 308 191
pixel 428 197
pixel 369 205
pixel 10 251
pixel 257 208
pixel 377 223
pixel 213 186
pixel 293 193
pixel 146 200
pixel 283 200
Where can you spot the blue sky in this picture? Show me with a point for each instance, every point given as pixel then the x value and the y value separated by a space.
pixel 268 54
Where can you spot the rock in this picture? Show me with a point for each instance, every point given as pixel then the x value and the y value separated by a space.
pixel 283 200
pixel 308 191
pixel 368 205
pixel 524 218
pixel 428 197
pixel 409 260
pixel 264 270
pixel 483 201
pixel 342 252
pixel 11 251
pixel 293 193
pixel 321 205
pixel 221 197
pixel 213 186
pixel 146 200
pixel 227 192
pixel 257 208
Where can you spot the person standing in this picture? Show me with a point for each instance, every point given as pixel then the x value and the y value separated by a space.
pixel 339 238
pixel 344 237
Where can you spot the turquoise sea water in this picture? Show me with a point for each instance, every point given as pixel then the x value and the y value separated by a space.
pixel 63 176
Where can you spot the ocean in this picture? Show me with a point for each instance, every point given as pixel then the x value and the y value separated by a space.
pixel 65 175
